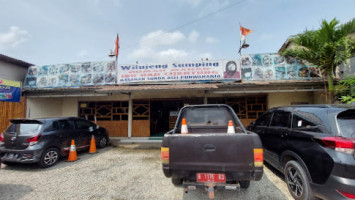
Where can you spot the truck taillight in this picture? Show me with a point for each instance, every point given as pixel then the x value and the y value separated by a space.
pixel 165 155
pixel 341 144
pixel 1 137
pixel 34 139
pixel 258 157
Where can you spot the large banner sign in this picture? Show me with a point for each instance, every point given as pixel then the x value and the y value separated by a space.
pixel 276 67
pixel 10 91
pixel 71 75
pixel 255 67
pixel 190 72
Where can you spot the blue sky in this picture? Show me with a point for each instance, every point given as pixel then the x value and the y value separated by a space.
pixel 53 32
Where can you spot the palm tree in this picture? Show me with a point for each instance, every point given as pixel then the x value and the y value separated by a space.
pixel 328 47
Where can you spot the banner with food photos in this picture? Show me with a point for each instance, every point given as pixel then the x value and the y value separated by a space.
pixel 71 75
pixel 275 67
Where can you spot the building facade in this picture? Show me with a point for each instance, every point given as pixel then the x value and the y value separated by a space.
pixel 12 74
pixel 144 100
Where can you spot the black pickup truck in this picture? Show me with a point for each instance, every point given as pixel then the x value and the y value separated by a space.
pixel 209 148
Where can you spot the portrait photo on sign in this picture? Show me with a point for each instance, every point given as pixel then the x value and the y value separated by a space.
pixel 232 70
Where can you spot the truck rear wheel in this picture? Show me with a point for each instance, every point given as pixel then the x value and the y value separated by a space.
pixel 177 181
pixel 244 184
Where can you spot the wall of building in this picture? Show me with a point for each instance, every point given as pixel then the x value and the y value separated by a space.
pixel 44 107
pixel 49 107
pixel 289 98
pixel 12 72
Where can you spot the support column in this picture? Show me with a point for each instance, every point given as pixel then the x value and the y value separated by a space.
pixel 205 97
pixel 130 117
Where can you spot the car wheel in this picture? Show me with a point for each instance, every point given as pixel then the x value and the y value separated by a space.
pixel 297 181
pixel 244 184
pixel 102 142
pixel 49 157
pixel 177 181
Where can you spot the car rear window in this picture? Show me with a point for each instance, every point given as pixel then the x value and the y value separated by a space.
pixel 346 121
pixel 24 128
pixel 208 119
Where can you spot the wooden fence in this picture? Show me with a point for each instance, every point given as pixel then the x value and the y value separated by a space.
pixel 10 110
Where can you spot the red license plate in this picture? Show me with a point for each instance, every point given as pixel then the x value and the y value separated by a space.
pixel 214 178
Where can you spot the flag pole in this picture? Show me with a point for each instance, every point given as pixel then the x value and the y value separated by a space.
pixel 240 41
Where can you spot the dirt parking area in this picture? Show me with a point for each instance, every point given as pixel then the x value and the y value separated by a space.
pixel 125 172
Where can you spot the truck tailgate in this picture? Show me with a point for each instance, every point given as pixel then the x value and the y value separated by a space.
pixel 211 152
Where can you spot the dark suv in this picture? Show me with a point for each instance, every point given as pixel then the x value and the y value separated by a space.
pixel 313 145
pixel 46 140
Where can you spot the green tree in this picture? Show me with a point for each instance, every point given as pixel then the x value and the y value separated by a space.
pixel 346 89
pixel 327 47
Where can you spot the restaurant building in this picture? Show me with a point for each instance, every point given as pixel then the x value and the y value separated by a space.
pixel 144 100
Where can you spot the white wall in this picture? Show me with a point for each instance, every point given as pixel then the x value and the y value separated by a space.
pixel 12 72
pixel 287 98
pixel 44 107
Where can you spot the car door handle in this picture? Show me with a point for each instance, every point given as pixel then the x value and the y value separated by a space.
pixel 209 148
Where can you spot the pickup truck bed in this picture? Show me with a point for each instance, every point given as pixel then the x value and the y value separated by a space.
pixel 209 150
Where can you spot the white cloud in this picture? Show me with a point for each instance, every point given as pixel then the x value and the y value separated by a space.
pixel 14 37
pixel 211 40
pixel 158 46
pixel 83 53
pixel 173 54
pixel 194 35
pixel 160 37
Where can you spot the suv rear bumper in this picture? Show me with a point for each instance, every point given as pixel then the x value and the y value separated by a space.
pixel 20 156
pixel 334 183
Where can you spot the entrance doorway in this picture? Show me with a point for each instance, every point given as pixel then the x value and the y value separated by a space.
pixel 163 114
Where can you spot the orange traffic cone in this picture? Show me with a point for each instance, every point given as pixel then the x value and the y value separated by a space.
pixel 92 145
pixel 231 128
pixel 184 127
pixel 72 153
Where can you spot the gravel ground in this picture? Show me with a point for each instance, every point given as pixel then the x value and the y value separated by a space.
pixel 127 172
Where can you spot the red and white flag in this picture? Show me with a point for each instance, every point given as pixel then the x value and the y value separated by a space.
pixel 244 32
pixel 117 46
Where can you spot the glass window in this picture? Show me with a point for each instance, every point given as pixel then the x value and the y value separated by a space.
pixel 299 122
pixel 207 116
pixel 264 120
pixel 81 124
pixel 65 124
pixel 208 120
pixel 280 119
pixel 24 129
pixel 346 122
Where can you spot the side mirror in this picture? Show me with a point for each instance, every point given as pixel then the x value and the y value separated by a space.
pixel 251 125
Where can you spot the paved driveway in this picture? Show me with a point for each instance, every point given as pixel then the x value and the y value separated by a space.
pixel 117 173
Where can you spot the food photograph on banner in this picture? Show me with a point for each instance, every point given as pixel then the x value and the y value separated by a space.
pixel 276 67
pixel 207 71
pixel 71 75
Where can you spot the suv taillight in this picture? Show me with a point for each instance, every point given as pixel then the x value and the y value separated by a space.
pixel 341 144
pixel 34 139
pixel 1 137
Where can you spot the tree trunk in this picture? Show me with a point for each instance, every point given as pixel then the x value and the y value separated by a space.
pixel 330 99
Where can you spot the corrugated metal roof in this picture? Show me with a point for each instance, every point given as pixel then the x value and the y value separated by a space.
pixel 14 61
pixel 156 87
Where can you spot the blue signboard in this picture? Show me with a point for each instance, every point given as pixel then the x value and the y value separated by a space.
pixel 10 91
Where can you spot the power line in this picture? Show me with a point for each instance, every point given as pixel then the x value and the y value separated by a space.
pixel 189 23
